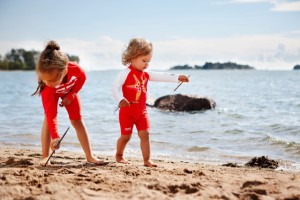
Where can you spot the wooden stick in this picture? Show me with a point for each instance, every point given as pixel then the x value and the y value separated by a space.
pixel 180 84
pixel 57 145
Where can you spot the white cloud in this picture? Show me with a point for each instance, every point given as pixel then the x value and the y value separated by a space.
pixel 260 51
pixel 276 51
pixel 278 5
pixel 103 53
pixel 287 6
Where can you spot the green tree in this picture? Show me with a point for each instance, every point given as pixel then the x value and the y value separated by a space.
pixel 20 59
pixel 15 60
pixel 29 59
pixel 3 63
pixel 73 58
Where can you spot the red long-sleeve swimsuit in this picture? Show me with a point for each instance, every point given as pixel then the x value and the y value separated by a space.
pixel 69 88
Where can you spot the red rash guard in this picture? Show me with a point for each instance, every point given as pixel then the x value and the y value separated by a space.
pixel 133 84
pixel 135 87
pixel 74 82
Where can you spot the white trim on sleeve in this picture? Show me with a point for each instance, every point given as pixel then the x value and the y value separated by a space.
pixel 118 83
pixel 163 77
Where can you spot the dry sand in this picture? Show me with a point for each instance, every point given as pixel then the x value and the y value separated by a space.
pixel 70 177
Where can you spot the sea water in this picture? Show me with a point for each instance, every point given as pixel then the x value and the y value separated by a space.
pixel 257 114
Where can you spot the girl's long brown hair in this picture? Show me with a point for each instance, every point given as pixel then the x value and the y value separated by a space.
pixel 40 88
pixel 50 59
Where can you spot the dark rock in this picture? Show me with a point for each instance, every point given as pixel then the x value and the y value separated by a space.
pixel 187 103
pixel 296 67
pixel 262 162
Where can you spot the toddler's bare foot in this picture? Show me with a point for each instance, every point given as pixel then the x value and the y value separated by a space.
pixel 149 163
pixel 96 161
pixel 120 159
pixel 44 160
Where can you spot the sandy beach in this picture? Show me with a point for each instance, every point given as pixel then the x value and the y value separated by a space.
pixel 70 177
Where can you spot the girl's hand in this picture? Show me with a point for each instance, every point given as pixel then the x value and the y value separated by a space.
pixel 54 144
pixel 65 102
pixel 183 78
pixel 124 103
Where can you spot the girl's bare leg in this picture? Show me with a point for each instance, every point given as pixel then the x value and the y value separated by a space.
pixel 145 147
pixel 45 140
pixel 84 141
pixel 121 144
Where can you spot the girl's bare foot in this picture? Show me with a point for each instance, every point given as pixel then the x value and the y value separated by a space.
pixel 96 161
pixel 149 163
pixel 44 160
pixel 120 159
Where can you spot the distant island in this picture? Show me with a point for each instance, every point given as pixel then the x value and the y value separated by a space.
pixel 297 67
pixel 209 65
pixel 20 59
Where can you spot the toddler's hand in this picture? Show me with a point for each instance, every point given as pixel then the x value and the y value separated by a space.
pixel 54 144
pixel 124 103
pixel 65 102
pixel 183 78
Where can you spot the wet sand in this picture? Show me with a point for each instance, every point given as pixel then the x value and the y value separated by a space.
pixel 70 177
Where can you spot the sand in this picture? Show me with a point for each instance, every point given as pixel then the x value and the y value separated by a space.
pixel 70 177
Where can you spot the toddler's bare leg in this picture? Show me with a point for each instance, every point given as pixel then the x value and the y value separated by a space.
pixel 121 144
pixel 145 147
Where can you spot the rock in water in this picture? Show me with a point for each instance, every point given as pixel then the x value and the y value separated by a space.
pixel 186 103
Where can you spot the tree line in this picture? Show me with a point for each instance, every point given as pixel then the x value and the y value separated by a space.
pixel 209 65
pixel 20 59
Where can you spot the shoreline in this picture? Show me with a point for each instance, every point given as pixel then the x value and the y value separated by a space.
pixel 284 165
pixel 70 177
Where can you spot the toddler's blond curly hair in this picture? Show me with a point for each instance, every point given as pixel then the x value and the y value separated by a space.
pixel 136 47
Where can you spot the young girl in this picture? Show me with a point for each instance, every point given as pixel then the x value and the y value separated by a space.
pixel 59 78
pixel 132 81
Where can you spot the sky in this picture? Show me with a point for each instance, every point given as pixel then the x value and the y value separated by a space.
pixel 264 34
